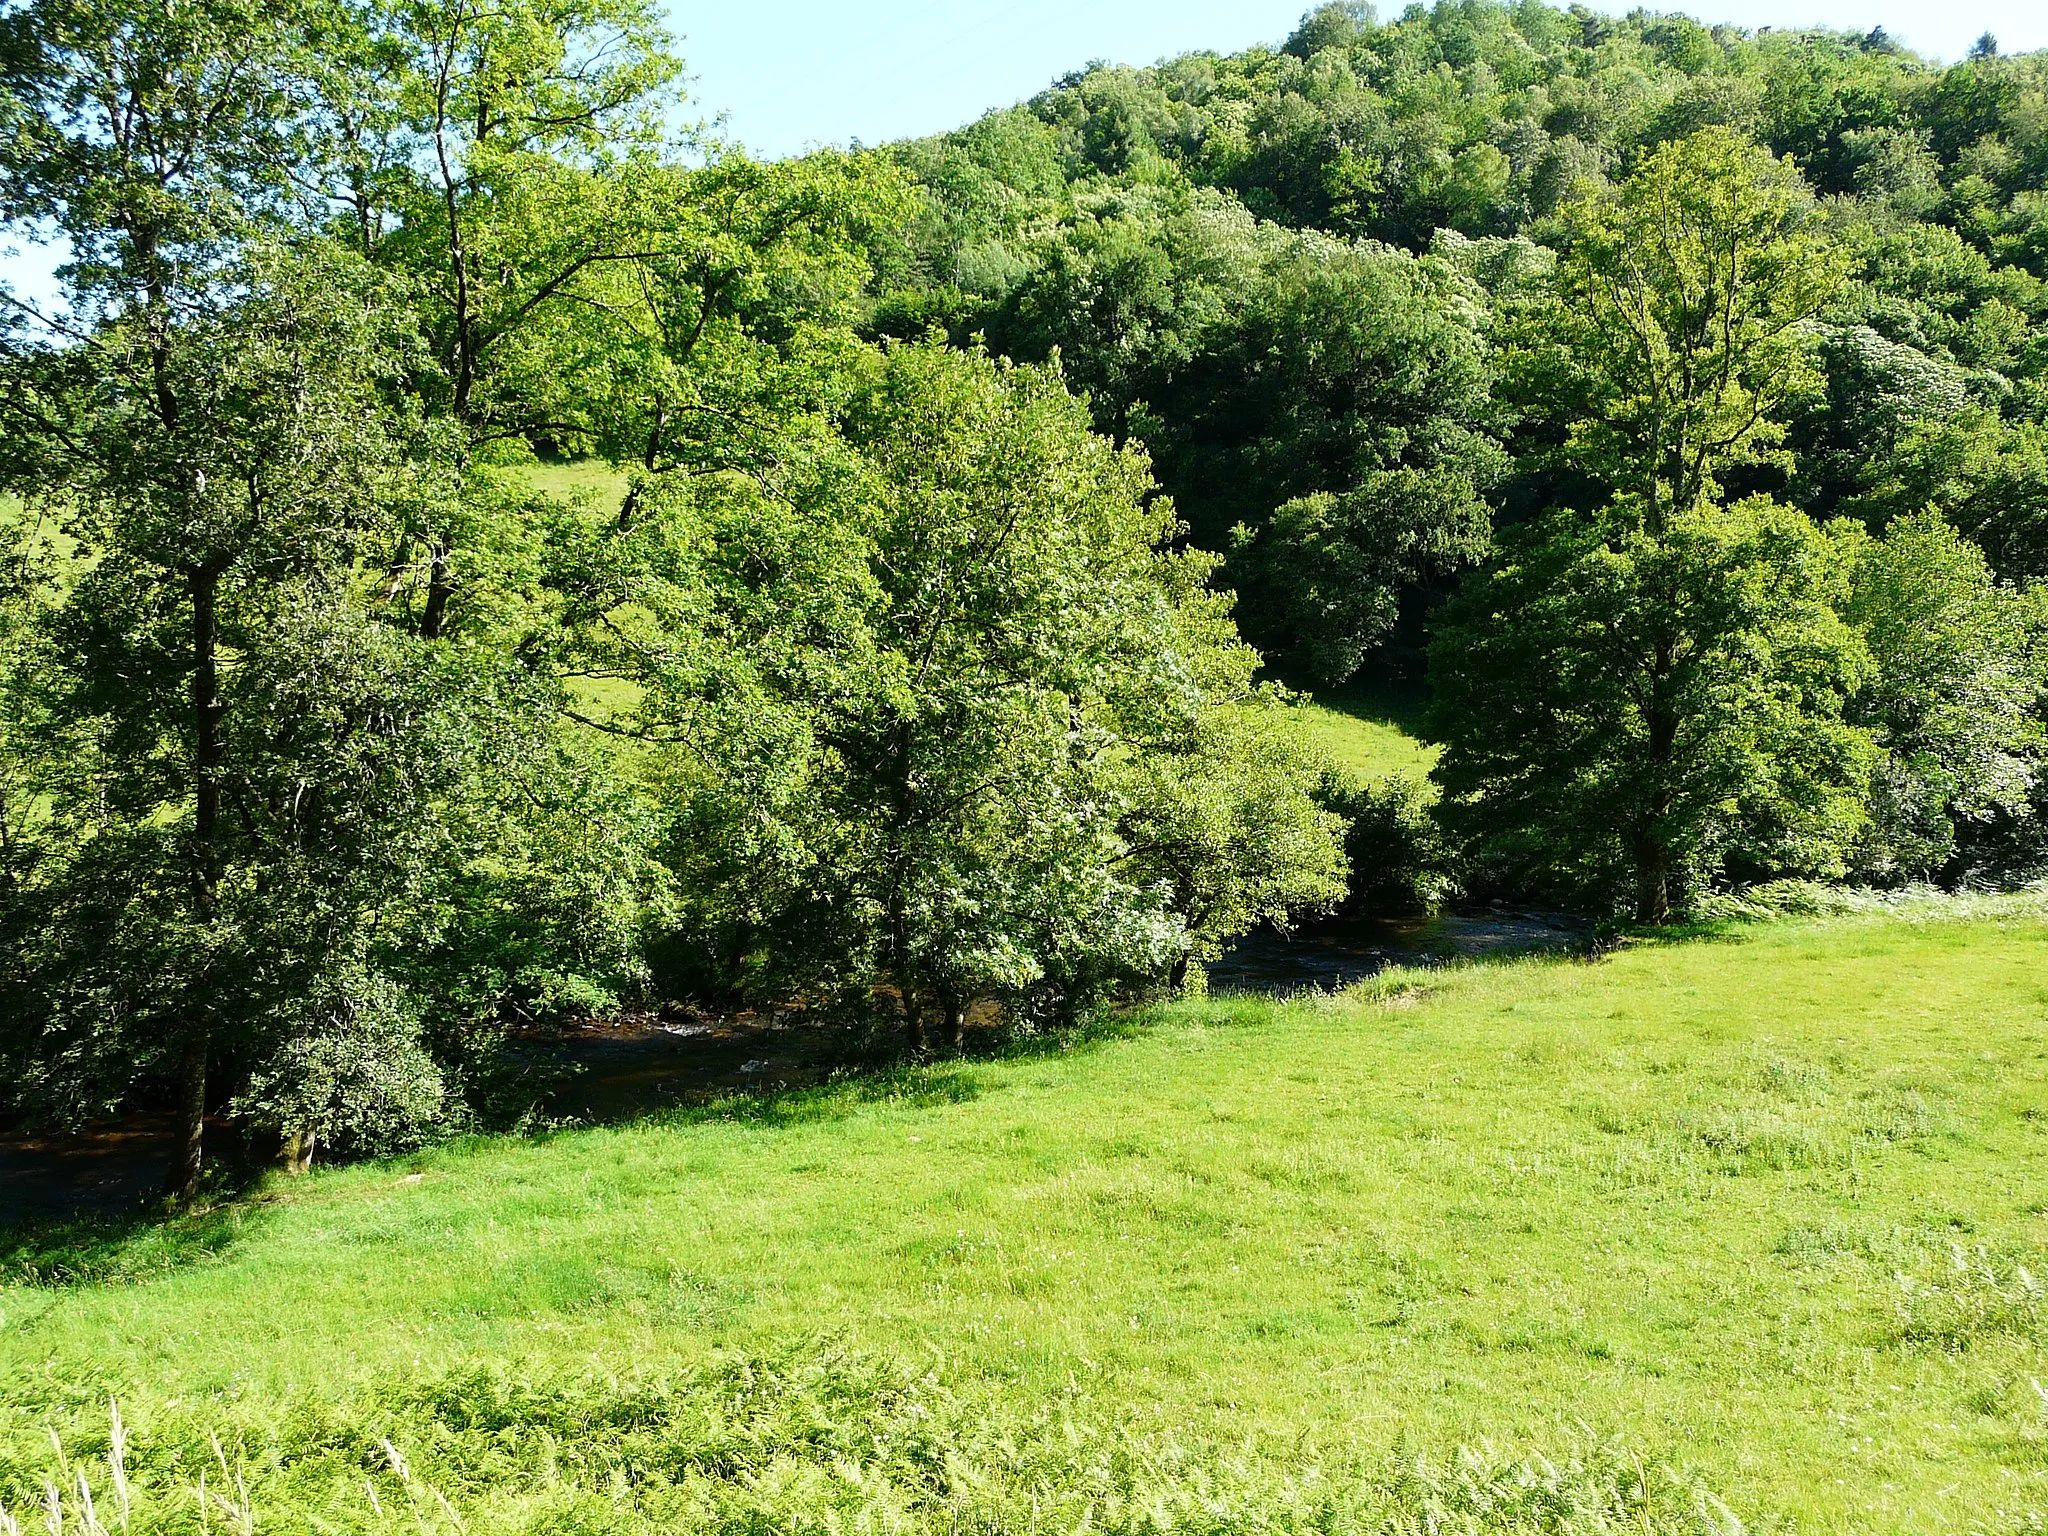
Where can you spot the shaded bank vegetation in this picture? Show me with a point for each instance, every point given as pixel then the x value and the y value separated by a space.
pixel 969 506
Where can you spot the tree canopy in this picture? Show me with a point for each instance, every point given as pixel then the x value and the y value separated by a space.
pixel 1168 229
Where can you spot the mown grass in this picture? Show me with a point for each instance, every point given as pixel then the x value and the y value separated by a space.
pixel 1541 1246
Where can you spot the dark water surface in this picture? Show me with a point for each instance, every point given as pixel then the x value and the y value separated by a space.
pixel 617 1069
pixel 109 1167
pixel 1341 951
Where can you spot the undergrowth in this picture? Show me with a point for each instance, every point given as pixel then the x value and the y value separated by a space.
pixel 822 1439
pixel 1812 898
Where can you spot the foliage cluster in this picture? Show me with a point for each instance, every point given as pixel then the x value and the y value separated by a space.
pixel 335 747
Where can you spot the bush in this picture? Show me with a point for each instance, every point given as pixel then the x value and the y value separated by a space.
pixel 1400 859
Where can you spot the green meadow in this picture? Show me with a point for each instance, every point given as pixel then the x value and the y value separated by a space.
pixel 1743 1227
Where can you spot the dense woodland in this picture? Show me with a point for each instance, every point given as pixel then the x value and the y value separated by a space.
pixel 1679 393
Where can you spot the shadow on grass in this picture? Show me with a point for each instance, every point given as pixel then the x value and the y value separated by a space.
pixel 873 1069
pixel 1726 930
pixel 83 1209
pixel 931 1081
pixel 868 1070
pixel 1393 700
pixel 124 1249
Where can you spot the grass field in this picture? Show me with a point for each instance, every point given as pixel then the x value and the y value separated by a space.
pixel 1371 732
pixel 1758 1214
pixel 579 477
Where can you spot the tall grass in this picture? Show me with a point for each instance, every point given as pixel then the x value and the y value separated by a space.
pixel 824 1441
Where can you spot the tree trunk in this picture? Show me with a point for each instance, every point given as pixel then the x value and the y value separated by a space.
pixel 630 508
pixel 1177 978
pixel 440 587
pixel 182 1183
pixel 295 1155
pixel 208 750
pixel 913 1015
pixel 900 966
pixel 1653 882
pixel 1653 852
pixel 952 1019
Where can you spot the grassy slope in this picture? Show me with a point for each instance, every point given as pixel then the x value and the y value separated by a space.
pixel 1367 730
pixel 1667 1196
pixel 19 523
pixel 1371 732
pixel 591 476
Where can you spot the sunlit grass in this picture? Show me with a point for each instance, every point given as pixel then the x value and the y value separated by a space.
pixel 591 477
pixel 1373 750
pixel 1766 1206
pixel 38 532
pixel 1371 732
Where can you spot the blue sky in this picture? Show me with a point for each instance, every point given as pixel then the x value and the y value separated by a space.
pixel 789 74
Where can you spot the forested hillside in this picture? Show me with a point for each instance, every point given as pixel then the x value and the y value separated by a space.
pixel 1287 272
pixel 1321 284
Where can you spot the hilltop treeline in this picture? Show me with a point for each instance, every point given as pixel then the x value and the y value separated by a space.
pixel 1679 388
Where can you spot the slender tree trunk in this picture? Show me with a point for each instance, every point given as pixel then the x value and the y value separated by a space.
pixel 462 365
pixel 1653 851
pixel 157 311
pixel 952 1019
pixel 189 1158
pixel 1653 882
pixel 440 587
pixel 1177 978
pixel 901 798
pixel 630 508
pixel 913 1014
pixel 900 970
pixel 208 750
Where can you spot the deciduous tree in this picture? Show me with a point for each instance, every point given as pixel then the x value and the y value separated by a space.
pixel 968 707
pixel 1658 685
pixel 1952 697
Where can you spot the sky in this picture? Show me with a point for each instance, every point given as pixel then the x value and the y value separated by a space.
pixel 791 74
